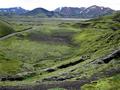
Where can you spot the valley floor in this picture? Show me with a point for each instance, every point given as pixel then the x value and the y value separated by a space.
pixel 49 54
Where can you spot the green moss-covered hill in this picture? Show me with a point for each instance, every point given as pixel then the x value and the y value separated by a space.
pixel 5 28
pixel 54 50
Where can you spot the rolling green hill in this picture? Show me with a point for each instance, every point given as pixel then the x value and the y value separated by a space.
pixel 78 52
pixel 5 28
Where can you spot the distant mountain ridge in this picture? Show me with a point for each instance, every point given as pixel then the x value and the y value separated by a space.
pixel 95 11
pixel 90 12
pixel 63 12
pixel 40 12
pixel 12 11
pixel 69 11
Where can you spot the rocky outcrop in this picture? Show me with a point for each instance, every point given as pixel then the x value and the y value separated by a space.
pixel 17 77
pixel 115 54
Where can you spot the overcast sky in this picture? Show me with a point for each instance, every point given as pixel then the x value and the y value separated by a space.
pixel 52 4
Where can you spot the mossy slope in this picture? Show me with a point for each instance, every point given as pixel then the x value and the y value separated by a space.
pixel 39 53
pixel 5 28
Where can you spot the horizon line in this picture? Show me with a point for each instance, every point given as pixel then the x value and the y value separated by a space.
pixel 57 7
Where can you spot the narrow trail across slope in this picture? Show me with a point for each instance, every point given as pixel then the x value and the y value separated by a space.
pixel 13 34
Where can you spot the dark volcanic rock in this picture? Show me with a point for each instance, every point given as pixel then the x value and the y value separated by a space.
pixel 108 58
pixel 18 77
pixel 49 70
